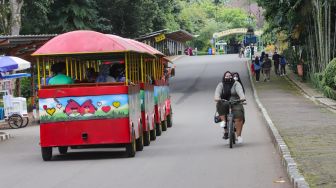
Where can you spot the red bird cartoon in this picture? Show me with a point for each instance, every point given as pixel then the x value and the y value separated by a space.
pixel 72 108
pixel 87 108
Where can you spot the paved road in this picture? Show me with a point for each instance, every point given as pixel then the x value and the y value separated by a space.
pixel 191 154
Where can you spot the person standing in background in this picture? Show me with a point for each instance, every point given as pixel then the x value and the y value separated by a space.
pixel 257 68
pixel 283 63
pixel 276 60
pixel 266 66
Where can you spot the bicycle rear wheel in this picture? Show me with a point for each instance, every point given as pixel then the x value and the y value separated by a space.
pixel 15 121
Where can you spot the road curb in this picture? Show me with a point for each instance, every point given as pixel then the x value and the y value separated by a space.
pixel 293 173
pixel 4 136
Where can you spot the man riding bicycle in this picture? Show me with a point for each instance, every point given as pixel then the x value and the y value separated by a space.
pixel 230 89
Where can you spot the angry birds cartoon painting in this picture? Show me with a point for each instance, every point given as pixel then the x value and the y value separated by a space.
pixel 83 108
pixel 72 109
pixel 87 108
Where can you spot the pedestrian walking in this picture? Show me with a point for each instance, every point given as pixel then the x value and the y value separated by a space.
pixel 266 66
pixel 252 68
pixel 257 68
pixel 276 60
pixel 241 52
pixel 261 60
pixel 252 50
pixel 262 56
pixel 283 63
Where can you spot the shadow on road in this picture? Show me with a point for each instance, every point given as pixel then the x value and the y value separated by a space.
pixel 90 155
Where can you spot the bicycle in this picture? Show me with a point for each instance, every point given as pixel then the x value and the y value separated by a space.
pixel 230 120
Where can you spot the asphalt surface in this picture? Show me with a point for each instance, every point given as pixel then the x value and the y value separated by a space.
pixel 190 154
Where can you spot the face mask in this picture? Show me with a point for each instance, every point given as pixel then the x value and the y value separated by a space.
pixel 235 78
pixel 228 80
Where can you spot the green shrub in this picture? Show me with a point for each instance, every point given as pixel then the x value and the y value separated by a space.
pixel 202 53
pixel 30 104
pixel 26 87
pixel 317 79
pixel 326 81
pixel 329 74
pixel 329 92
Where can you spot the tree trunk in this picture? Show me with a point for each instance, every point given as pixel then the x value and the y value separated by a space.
pixel 334 43
pixel 329 32
pixel 15 6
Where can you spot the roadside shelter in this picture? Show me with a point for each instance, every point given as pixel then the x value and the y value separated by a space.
pixel 169 43
pixel 20 46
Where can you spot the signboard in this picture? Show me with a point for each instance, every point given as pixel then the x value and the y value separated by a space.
pixel 250 39
pixel 229 32
pixel 234 31
pixel 160 38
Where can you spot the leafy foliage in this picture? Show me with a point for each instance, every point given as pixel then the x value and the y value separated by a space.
pixel 132 18
pixel 330 74
pixel 206 17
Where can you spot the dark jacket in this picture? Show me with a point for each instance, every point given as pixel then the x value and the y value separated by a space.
pixel 267 64
pixel 276 58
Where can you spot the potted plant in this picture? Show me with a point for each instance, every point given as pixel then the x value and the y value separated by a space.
pixel 300 67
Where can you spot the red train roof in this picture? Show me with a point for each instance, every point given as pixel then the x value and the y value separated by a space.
pixel 84 42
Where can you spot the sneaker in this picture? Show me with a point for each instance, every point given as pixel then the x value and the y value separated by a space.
pixel 239 140
pixel 222 124
pixel 226 136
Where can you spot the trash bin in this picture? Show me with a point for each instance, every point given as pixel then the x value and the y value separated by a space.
pixel 210 51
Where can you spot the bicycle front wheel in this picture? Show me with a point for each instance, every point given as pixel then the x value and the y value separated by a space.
pixel 25 122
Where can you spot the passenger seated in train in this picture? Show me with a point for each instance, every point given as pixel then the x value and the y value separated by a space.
pixel 91 75
pixel 59 77
pixel 114 73
pixel 103 73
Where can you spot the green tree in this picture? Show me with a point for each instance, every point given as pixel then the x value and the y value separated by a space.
pixel 68 15
pixel 131 18
pixel 309 25
pixel 35 17
pixel 207 17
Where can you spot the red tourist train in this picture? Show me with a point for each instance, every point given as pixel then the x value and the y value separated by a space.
pixel 119 96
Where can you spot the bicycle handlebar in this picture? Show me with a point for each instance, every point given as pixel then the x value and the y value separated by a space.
pixel 243 102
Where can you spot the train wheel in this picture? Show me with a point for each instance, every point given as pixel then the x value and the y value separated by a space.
pixel 131 148
pixel 158 129
pixel 153 134
pixel 170 118
pixel 63 150
pixel 46 153
pixel 147 138
pixel 140 143
pixel 164 125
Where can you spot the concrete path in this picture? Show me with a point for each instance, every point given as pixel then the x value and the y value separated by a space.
pixel 308 128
